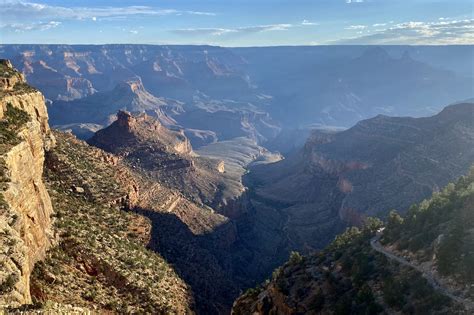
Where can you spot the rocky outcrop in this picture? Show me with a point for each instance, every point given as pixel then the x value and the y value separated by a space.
pixel 220 167
pixel 8 76
pixel 128 130
pixel 25 210
pixel 164 154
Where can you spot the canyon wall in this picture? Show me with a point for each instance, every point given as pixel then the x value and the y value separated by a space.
pixel 25 205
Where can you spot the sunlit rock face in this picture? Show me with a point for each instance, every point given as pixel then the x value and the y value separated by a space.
pixel 25 214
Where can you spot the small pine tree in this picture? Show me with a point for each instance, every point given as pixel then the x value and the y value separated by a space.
pixel 295 258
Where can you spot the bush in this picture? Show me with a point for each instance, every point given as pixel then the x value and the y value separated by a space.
pixel 9 283
pixel 295 258
pixel 393 293
pixel 11 123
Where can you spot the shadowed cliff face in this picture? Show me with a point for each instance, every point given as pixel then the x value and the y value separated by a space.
pixel 25 205
pixel 210 247
pixel 338 179
pixel 202 260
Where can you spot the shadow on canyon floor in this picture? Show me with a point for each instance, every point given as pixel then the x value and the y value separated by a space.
pixel 214 265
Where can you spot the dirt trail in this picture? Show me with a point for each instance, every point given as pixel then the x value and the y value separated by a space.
pixel 375 244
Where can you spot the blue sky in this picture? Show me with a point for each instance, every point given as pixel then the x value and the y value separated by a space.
pixel 238 23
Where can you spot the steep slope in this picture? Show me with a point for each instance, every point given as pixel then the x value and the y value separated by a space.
pixel 88 252
pixel 352 275
pixel 177 189
pixel 437 235
pixel 339 178
pixel 101 261
pixel 163 154
pixel 192 237
pixel 346 278
pixel 25 205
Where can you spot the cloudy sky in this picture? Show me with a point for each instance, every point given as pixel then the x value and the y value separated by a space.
pixel 238 22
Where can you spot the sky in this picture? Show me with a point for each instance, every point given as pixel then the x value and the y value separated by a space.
pixel 236 23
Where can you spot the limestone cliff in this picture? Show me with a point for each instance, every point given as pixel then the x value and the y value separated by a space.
pixel 25 206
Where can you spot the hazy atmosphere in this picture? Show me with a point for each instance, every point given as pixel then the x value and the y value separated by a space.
pixel 237 157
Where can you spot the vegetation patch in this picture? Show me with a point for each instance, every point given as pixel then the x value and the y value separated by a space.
pixel 441 227
pixel 99 262
pixel 9 283
pixel 10 125
pixel 348 277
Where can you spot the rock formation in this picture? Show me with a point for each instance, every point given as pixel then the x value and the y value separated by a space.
pixel 220 167
pixel 25 211
pixel 165 154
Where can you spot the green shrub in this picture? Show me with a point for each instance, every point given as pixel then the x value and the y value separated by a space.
pixel 295 258
pixel 11 123
pixel 9 283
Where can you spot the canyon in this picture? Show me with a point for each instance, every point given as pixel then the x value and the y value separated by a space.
pixel 340 178
pixel 218 93
pixel 178 176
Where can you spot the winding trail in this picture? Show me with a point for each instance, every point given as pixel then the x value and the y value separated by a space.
pixel 375 244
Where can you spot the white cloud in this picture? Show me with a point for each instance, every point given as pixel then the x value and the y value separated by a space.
pixel 24 27
pixel 217 31
pixel 308 23
pixel 379 24
pixel 354 1
pixel 17 10
pixel 200 13
pixel 356 27
pixel 441 32
pixel 241 30
pixel 202 31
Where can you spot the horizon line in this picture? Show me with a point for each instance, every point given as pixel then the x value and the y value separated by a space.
pixel 250 46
